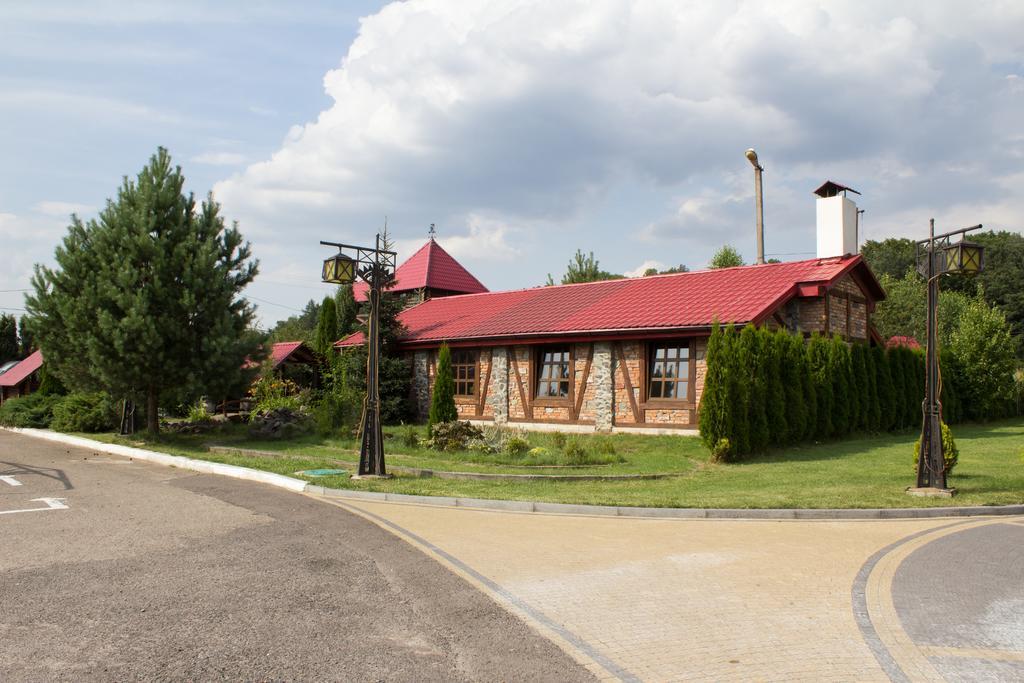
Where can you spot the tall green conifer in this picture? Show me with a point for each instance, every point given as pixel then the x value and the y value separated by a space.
pixel 775 392
pixel 818 364
pixel 713 401
pixel 790 350
pixel 839 371
pixel 442 402
pixel 326 328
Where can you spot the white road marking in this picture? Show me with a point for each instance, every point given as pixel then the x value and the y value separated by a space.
pixel 10 480
pixel 51 504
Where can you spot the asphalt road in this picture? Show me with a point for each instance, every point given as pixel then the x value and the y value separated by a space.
pixel 120 570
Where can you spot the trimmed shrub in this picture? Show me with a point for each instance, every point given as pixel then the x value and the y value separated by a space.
pixel 575 454
pixel 789 350
pixel 752 357
pixel 895 357
pixel 78 412
pixel 516 446
pixel 442 403
pixel 861 387
pixel 722 451
pixel 737 424
pixel 32 411
pixel 818 363
pixel 452 436
pixel 950 453
pixel 886 389
pixel 873 418
pixel 713 401
pixel 774 393
pixel 839 370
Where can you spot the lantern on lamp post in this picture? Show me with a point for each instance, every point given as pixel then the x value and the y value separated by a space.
pixel 376 267
pixel 937 256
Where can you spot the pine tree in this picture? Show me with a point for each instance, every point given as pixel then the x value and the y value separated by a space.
pixel 839 369
pixel 790 350
pixel 347 309
pixel 442 402
pixel 714 401
pixel 753 374
pixel 886 389
pixel 326 328
pixel 146 298
pixel 818 364
pixel 8 338
pixel 26 339
pixel 775 392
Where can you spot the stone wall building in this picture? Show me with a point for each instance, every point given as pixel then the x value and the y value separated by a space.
pixel 624 354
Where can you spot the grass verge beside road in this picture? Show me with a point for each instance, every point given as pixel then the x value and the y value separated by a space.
pixel 867 472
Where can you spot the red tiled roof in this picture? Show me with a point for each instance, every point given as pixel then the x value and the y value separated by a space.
pixel 432 267
pixel 662 302
pixel 279 352
pixel 20 372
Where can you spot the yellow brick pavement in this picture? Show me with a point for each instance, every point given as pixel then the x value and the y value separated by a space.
pixel 670 599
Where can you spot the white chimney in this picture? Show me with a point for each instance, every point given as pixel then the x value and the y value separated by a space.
pixel 837 220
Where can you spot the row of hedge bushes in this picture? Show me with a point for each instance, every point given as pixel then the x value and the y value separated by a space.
pixel 74 412
pixel 766 389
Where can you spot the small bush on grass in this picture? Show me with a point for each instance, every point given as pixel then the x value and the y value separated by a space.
pixel 79 412
pixel 575 453
pixel 516 446
pixel 722 451
pixel 558 440
pixel 605 446
pixel 452 436
pixel 197 412
pixel 950 453
pixel 34 411
pixel 410 437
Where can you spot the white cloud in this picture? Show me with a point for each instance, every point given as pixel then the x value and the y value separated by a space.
pixel 531 113
pixel 644 267
pixel 91 106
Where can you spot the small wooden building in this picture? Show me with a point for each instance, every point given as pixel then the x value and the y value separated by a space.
pixel 22 379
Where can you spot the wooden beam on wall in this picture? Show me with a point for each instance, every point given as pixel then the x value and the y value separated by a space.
pixel 638 417
pixel 486 385
pixel 527 408
pixel 583 387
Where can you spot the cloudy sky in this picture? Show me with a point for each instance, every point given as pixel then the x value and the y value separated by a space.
pixel 523 129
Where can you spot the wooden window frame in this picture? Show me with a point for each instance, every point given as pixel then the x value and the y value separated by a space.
pixel 649 353
pixel 473 398
pixel 535 367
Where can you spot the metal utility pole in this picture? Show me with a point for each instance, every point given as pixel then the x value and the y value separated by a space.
pixel 376 267
pixel 936 256
pixel 758 203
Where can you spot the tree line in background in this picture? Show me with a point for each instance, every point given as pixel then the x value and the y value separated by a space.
pixel 586 268
pixel 767 389
pixel 16 338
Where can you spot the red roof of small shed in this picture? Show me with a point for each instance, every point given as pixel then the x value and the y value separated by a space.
pixel 22 371
pixel 432 267
pixel 649 304
pixel 280 351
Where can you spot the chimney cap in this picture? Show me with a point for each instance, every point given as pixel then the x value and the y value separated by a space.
pixel 831 189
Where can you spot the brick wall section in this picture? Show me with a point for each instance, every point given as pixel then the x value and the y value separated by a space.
pixel 604 398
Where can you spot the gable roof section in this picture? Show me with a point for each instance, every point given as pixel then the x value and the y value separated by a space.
pixel 432 267
pixel 22 371
pixel 282 351
pixel 666 303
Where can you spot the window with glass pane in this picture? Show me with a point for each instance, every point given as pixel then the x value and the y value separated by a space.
pixel 553 372
pixel 669 376
pixel 464 371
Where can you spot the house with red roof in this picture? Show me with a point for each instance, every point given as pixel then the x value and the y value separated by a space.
pixel 21 379
pixel 627 354
pixel 430 273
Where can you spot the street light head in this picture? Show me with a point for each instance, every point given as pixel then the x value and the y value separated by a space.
pixel 965 257
pixel 752 157
pixel 339 270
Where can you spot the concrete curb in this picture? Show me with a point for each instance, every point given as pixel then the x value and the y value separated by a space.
pixel 181 462
pixel 300 486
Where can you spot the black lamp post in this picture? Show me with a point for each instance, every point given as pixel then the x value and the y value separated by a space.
pixel 375 267
pixel 936 256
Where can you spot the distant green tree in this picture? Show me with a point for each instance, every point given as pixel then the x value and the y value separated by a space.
pixel 1000 281
pixel 442 402
pixel 818 355
pixel 26 339
pixel 147 298
pixel 668 271
pixel 985 351
pixel 348 309
pixel 891 257
pixel 326 328
pixel 9 349
pixel 726 257
pixel 301 327
pixel 584 268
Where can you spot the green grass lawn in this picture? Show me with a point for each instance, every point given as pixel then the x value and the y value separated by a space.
pixel 871 471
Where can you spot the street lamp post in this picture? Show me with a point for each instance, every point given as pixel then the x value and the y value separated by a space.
pixel 758 202
pixel 375 267
pixel 936 256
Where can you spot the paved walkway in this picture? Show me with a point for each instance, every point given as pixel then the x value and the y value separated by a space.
pixel 660 600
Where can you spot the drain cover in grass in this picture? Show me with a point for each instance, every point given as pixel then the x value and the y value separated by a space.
pixel 320 473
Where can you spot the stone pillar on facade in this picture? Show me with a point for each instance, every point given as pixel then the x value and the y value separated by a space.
pixel 603 380
pixel 421 383
pixel 497 395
